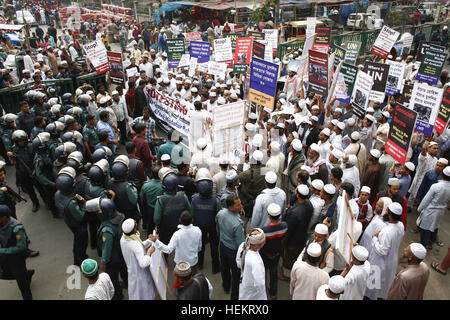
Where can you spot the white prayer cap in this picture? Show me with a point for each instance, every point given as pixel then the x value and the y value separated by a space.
pixel 418 250
pixel 321 229
pixel 315 147
pixel 275 146
pixel 297 145
pixel 292 67
pixel 341 125
pixel 201 143
pixel 370 117
pixel 188 81
pixel 164 54
pixel 314 250
pixel 360 253
pixel 89 92
pixel 443 161
pixel 128 225
pixel 317 184
pixel 257 155
pixel 195 82
pixel 78 92
pixel 352 160
pixel 326 132
pixel 295 135
pixel 229 82
pixel 386 114
pixel 114 92
pixel 314 107
pixel 25 71
pixel 282 101
pixel 221 100
pixel 182 268
pixel 223 159
pixel 338 154
pixel 103 100
pixel 410 166
pixel 314 118
pixel 302 104
pixel 280 125
pixel 223 85
pixel 432 143
pixel 350 122
pixel 355 135
pixel 398 59
pixel 303 189
pixel 389 56
pixel 159 80
pixel 233 96
pixel 375 153
pixel 396 208
pixel 158 70
pixel 178 82
pixel 329 188
pixel 335 122
pixel 194 89
pixel 257 140
pixel 306 168
pixel 365 189
pixel 212 94
pixel 271 177
pixel 208 80
pixel 447 171
pixel 231 176
pixel 252 116
pixel 165 157
pixel 249 126
pixel 274 209
pixel 393 182
pixel 336 284
pixel 338 110
pixel 370 109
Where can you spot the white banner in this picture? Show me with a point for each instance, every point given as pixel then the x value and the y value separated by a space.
pixel 222 49
pixel 395 77
pixel 203 67
pixel 217 68
pixel 426 101
pixel 385 41
pixel 361 92
pixel 310 26
pixel 192 66
pixel 309 42
pixel 344 232
pixel 96 53
pixel 272 36
pixel 341 90
pixel 169 110
pixel 184 61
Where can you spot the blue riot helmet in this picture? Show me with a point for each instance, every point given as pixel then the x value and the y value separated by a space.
pixel 65 181
pixel 101 153
pixel 98 172
pixel 170 183
pixel 204 182
pixel 75 160
pixel 19 135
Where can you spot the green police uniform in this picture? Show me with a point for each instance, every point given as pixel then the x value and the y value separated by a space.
pixel 6 139
pixel 90 135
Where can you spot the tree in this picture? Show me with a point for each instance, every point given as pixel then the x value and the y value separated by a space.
pixel 263 12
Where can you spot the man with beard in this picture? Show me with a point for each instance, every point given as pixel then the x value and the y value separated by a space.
pixel 372 174
pixel 324 143
pixel 146 66
pixel 317 165
pixel 392 192
pixel 292 84
pixel 359 150
pixel 295 160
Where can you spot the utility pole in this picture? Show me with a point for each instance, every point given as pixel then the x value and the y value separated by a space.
pixel 135 10
pixel 236 13
pixel 27 31
pixel 356 16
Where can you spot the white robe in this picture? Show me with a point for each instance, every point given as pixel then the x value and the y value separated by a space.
pixel 324 149
pixel 351 175
pixel 377 223
pixel 434 206
pixel 355 282
pixel 322 295
pixel 426 163
pixel 140 281
pixel 253 283
pixel 276 164
pixel 197 127
pixel 383 259
pixel 102 289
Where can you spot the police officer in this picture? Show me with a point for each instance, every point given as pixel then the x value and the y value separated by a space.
pixel 169 206
pixel 72 207
pixel 40 107
pixel 136 170
pixel 39 125
pixel 8 126
pixel 67 102
pixel 55 112
pixel 25 118
pixel 61 153
pixel 78 115
pixel 43 169
pixel 108 246
pixel 148 195
pixel 90 135
pixel 103 153
pixel 14 242
pixel 75 160
pixel 126 193
pixel 75 137
pixel 22 156
pixel 206 205
pixel 54 128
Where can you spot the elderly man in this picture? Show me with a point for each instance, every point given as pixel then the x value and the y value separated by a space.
pixel 351 173
pixel 381 134
pixel 359 150
pixel 271 194
pixel 317 165
pixel 410 282
pixel 191 286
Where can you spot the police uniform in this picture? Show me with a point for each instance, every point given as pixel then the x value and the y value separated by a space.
pixel 44 174
pixel 25 122
pixel 92 191
pixel 35 132
pixel 126 198
pixel 14 241
pixel 6 139
pixel 91 137
pixel 149 193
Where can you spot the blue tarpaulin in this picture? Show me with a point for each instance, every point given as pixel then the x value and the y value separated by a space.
pixel 171 6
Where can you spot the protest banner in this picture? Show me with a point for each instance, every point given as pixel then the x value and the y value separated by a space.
pixel 184 61
pixel 227 122
pixel 233 37
pixel 331 59
pixel 263 82
pixel 192 66
pixel 349 73
pixel 258 49
pixel 202 67
pixel 192 36
pixel 424 46
pixel 395 80
pixel 257 35
pixel 132 72
pixel 323 38
pixel 360 94
pixel 385 41
pixel 318 73
pixel 431 66
pixel 240 28
pixel 310 26
pixel 341 89
pixel 406 94
pixel 242 54
pixel 334 83
pixel 339 55
pixel 379 72
pixel 223 51
pixel 175 49
pixel 268 53
pixel 352 51
pixel 159 271
pixel 400 132
pixel 425 100
pixel 407 42
pixel 309 42
pixel 169 110
pixel 444 112
pixel 200 50
pixel 116 72
pixel 97 55
pixel 271 35
pixel 217 68
pixel 344 232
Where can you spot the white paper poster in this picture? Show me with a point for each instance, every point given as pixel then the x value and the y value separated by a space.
pixel 309 42
pixel 385 41
pixel 310 26
pixel 222 49
pixel 192 66
pixel 344 232
pixel 96 53
pixel 216 68
pixel 361 92
pixel 184 61
pixel 271 36
pixel 395 77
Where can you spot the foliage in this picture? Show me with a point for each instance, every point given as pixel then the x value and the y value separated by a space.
pixel 263 12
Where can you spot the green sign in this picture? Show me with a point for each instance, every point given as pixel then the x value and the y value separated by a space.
pixel 239 68
pixel 175 49
pixel 339 55
pixel 349 72
pixel 233 37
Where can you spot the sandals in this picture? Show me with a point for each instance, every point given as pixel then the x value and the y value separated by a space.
pixel 439 243
pixel 435 266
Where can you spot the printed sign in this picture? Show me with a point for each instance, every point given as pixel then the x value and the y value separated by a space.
pixel 349 73
pixel 257 35
pixel 271 35
pixel 339 55
pixel 323 38
pixel 431 66
pixel 444 112
pixel 175 50
pixel 361 92
pixel 258 49
pixel 184 61
pixel 192 36
pixel 218 69
pixel 242 54
pixel 116 67
pixel 310 26
pixel 379 73
pixel 406 94
pixel 223 51
pixel 263 82
pixel 318 73
pixel 352 51
pixel 200 50
pixel 97 55
pixel 233 37
pixel 396 73
pixel 385 41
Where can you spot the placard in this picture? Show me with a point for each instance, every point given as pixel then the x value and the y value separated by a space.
pixel 97 55
pixel 425 100
pixel 385 41
pixel 222 50
pixel 228 115
pixel 400 132
pixel 256 35
pixel 361 92
pixel 242 54
pixel 349 73
pixel 344 242
pixel 395 77
pixel 406 94
pixel 444 112
pixel 407 42
pixel 309 42
pixel 184 61
pixel 431 66
pixel 352 51
pixel 200 50
pixel 318 73
pixel 192 66
pixel 379 73
pixel 258 49
pixel 175 49
pixel 271 35
pixel 240 28
pixel 263 82
pixel 268 52
pixel 233 37
pixel 116 72
pixel 158 270
pixel 310 26
pixel 192 36
pixel 424 46
pixel 339 55
pixel 217 68
pixel 323 38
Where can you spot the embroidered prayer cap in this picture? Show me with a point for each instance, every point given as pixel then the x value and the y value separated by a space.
pixel 418 250
pixel 360 253
pixel 183 269
pixel 89 267
pixel 128 225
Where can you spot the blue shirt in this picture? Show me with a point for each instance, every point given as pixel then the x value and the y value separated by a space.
pixel 431 177
pixel 104 126
pixel 404 184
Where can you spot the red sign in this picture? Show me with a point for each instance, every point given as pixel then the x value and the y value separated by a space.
pixel 243 52
pixel 444 112
pixel 239 28
pixel 116 67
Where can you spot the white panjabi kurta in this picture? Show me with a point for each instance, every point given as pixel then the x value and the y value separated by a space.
pixel 140 281
pixel 434 205
pixel 306 280
pixel 276 164
pixel 102 289
pixel 425 164
pixel 377 223
pixel 197 127
pixel 324 149
pixel 352 175
pixel 383 258
pixel 253 283
pixel 322 295
pixel 356 281
pixel 360 151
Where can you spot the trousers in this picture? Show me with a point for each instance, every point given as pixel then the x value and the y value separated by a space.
pixel 230 272
pixel 114 269
pixel 211 234
pixel 427 237
pixel 80 243
pixel 14 267
pixel 271 263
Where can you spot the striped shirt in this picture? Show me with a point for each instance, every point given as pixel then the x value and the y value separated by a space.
pixel 274 235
